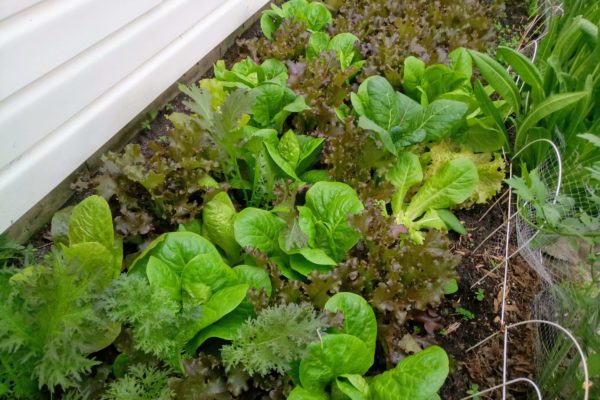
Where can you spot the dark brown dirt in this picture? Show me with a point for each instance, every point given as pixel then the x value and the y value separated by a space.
pixel 482 366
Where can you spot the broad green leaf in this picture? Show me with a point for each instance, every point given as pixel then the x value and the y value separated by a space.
pixel 217 217
pixel 310 148
pixel 377 100
pixel 359 318
pixel 96 260
pixel 315 256
pixel 244 74
pixel 335 355
pixel 430 220
pixel 271 99
pixel 315 175
pixel 331 203
pixel 318 42
pixel 285 269
pixel 498 78
pixel 209 271
pixel 274 70
pixel 225 328
pixel 304 267
pixel 161 276
pixel 91 221
pixel 462 62
pixel 255 277
pixel 405 173
pixel 343 44
pixel 176 249
pixel 438 120
pixel 318 16
pixel 452 223
pixel 451 287
pixel 307 224
pixel 282 163
pixel 299 393
pixel 258 229
pixel 526 70
pixel 218 306
pixel 417 377
pixel 550 105
pixel 296 8
pixel 452 185
pixel 414 69
pixel 289 148
pixel 270 21
pixel 353 386
pixel 298 105
pixel 482 138
pixel 384 135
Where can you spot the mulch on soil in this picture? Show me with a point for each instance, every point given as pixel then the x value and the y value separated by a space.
pixel 482 366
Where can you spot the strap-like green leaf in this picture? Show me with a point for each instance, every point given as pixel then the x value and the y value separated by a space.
pixel 498 78
pixel 549 106
pixel 528 72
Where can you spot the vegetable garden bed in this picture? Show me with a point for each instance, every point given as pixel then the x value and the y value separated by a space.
pixel 318 219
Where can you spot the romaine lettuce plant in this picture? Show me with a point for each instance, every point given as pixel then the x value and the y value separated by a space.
pixel 245 152
pixel 247 74
pixel 334 366
pixel 315 15
pixel 206 297
pixel 316 239
pixel 453 183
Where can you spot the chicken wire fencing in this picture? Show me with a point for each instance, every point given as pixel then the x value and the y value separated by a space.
pixel 565 311
pixel 556 313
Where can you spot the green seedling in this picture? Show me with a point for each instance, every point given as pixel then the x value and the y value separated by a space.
pixel 466 314
pixel 480 294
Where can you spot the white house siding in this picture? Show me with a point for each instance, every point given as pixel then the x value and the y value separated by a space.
pixel 75 72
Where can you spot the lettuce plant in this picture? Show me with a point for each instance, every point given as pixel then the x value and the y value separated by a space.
pixel 316 239
pixel 490 169
pixel 390 31
pixel 273 101
pixel 484 129
pixel 314 14
pixel 217 225
pixel 398 120
pixel 142 382
pixel 274 340
pixel 159 186
pixel 343 44
pixel 334 366
pixel 247 74
pixel 453 183
pixel 49 319
pixel 205 297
